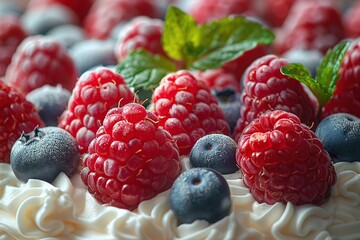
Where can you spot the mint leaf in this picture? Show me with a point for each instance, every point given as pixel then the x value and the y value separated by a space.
pixel 210 45
pixel 328 70
pixel 228 38
pixel 181 38
pixel 300 72
pixel 142 70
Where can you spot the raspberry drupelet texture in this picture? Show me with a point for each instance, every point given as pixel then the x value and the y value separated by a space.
pixel 95 93
pixel 38 61
pixel 131 159
pixel 187 109
pixel 11 35
pixel 17 115
pixel 140 33
pixel 346 97
pixel 282 160
pixel 266 88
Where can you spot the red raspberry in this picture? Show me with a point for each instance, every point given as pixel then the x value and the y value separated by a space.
pixel 206 10
pixel 11 35
pixel 310 25
pixel 95 93
pixel 104 15
pixel 131 159
pixel 266 88
pixel 218 79
pixel 282 160
pixel 274 12
pixel 351 20
pixel 187 109
pixel 80 8
pixel 17 115
pixel 238 66
pixel 346 97
pixel 140 33
pixel 39 61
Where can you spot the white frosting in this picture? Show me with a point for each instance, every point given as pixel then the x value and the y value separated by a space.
pixel 65 210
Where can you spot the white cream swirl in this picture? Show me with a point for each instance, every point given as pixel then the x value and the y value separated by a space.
pixel 65 210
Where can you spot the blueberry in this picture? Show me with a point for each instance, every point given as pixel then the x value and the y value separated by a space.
pixel 50 101
pixel 200 194
pixel 340 135
pixel 216 151
pixel 230 104
pixel 92 53
pixel 67 35
pixel 43 154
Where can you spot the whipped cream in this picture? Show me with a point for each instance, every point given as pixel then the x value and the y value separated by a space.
pixel 65 210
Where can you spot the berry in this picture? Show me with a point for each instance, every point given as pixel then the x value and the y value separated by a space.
pixel 215 151
pixel 43 154
pixel 310 25
pixel 340 135
pixel 200 194
pixel 282 160
pixel 218 79
pixel 67 34
pixel 95 93
pixel 140 33
pixel 104 15
pixel 92 53
pixel 274 12
pixel 346 97
pixel 351 20
pixel 39 61
pixel 206 10
pixel 131 159
pixel 266 88
pixel 11 35
pixel 187 109
pixel 17 115
pixel 50 102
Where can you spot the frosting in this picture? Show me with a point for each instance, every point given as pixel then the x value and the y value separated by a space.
pixel 65 210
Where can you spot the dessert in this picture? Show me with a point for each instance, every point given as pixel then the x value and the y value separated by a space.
pixel 131 158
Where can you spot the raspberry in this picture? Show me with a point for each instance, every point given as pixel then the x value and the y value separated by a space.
pixel 187 109
pixel 218 79
pixel 346 97
pixel 274 12
pixel 11 35
pixel 131 159
pixel 17 115
pixel 310 25
pixel 266 88
pixel 39 61
pixel 206 10
pixel 351 20
pixel 140 33
pixel 104 15
pixel 282 160
pixel 95 93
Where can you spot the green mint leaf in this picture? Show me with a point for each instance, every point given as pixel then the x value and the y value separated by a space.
pixel 328 70
pixel 301 73
pixel 142 70
pixel 210 45
pixel 181 37
pixel 228 38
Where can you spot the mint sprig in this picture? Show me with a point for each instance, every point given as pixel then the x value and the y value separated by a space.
pixel 327 74
pixel 193 46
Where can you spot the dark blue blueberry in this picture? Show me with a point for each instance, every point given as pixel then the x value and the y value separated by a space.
pixel 92 53
pixel 216 151
pixel 67 34
pixel 43 154
pixel 230 103
pixel 50 101
pixel 200 194
pixel 309 58
pixel 41 20
pixel 340 135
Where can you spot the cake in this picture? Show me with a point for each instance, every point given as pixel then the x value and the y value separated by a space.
pixel 65 210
